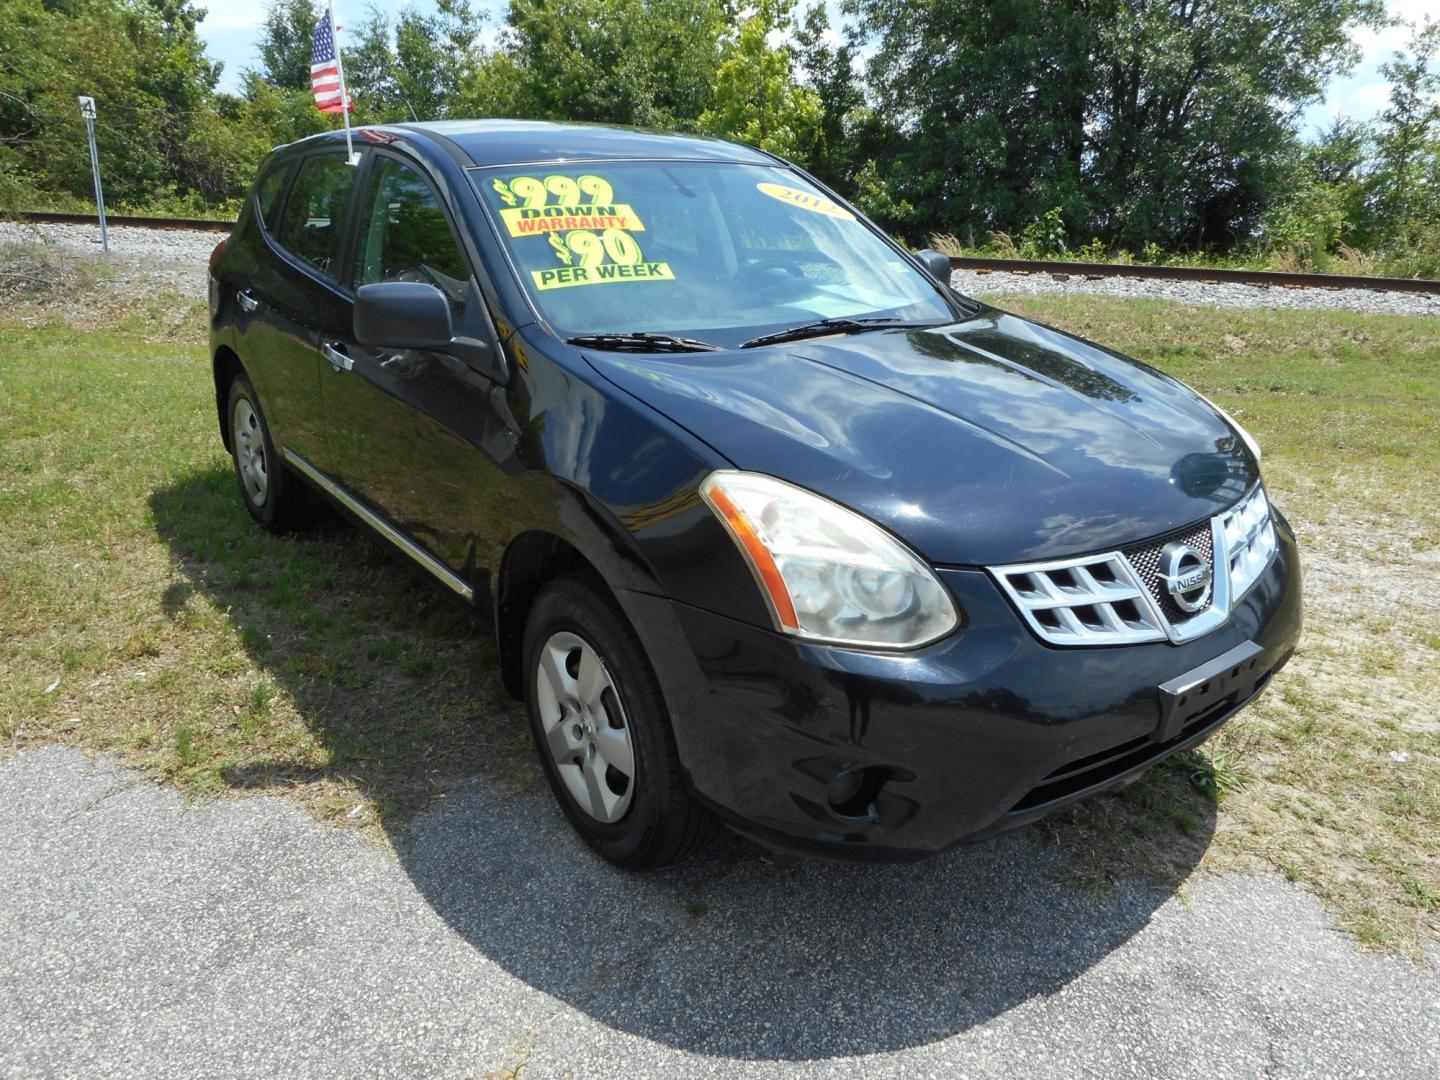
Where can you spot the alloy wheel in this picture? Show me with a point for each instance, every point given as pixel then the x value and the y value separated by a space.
pixel 586 731
pixel 249 442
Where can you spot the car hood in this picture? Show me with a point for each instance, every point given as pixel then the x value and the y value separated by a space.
pixel 994 440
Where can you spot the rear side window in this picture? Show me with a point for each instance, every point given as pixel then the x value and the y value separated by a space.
pixel 312 225
pixel 404 235
pixel 269 190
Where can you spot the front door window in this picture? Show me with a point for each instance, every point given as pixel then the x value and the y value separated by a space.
pixel 404 235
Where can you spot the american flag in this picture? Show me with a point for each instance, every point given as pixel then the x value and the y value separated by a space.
pixel 325 69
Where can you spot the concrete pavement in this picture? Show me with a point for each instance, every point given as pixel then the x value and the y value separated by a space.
pixel 139 936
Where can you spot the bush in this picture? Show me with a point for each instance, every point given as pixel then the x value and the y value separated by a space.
pixel 1415 255
pixel 1044 238
pixel 1305 228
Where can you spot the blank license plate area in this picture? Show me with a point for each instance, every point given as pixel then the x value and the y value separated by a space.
pixel 1189 696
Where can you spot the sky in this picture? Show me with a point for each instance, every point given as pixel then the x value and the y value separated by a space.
pixel 231 28
pixel 1364 93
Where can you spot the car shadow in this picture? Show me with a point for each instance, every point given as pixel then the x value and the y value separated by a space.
pixel 734 952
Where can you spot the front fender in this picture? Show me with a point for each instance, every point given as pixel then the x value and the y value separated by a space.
pixel 588 462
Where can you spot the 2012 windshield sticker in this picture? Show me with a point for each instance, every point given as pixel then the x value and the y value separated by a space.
pixel 806 200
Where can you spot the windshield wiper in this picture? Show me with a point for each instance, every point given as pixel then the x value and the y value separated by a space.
pixel 829 326
pixel 641 341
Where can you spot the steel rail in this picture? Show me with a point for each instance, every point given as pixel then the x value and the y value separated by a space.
pixel 1263 278
pixel 1094 271
pixel 186 224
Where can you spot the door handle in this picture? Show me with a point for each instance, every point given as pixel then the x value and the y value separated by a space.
pixel 338 360
pixel 247 302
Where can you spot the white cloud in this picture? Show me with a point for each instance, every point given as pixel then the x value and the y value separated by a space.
pixel 223 16
pixel 1377 46
pixel 1366 99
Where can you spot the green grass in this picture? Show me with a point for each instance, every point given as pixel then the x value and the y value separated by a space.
pixel 189 641
pixel 142 613
pixel 43 202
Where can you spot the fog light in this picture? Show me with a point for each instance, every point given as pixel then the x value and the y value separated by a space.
pixel 845 787
pixel 852 792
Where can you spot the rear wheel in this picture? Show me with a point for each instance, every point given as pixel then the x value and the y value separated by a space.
pixel 602 730
pixel 273 496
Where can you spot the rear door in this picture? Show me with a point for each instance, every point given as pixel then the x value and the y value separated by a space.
pixel 294 295
pixel 405 427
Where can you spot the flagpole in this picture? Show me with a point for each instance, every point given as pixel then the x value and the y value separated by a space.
pixel 350 156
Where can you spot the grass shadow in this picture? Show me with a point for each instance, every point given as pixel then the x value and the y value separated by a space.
pixel 396 688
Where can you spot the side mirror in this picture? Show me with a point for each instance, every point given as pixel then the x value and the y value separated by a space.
pixel 402 315
pixel 937 263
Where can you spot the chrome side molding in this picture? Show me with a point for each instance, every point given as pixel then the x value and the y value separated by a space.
pixel 342 495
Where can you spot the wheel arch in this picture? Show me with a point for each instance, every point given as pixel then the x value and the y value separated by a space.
pixel 225 366
pixel 531 560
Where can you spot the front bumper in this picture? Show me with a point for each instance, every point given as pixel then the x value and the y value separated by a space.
pixel 982 732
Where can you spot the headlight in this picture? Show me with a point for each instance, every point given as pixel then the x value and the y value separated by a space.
pixel 827 573
pixel 1245 436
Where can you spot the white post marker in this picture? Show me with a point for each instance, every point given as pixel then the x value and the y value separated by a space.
pixel 87 110
pixel 351 158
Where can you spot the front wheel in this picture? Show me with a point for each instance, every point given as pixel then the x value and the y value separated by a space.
pixel 602 730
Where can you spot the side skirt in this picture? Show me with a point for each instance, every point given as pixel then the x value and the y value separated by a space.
pixel 342 495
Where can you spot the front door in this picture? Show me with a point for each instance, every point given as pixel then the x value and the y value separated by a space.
pixel 404 427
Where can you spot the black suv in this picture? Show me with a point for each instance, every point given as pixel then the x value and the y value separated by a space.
pixel 773 528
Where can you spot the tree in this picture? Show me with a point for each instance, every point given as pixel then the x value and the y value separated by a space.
pixel 285 44
pixel 145 65
pixel 1165 121
pixel 755 98
pixel 642 62
pixel 1323 204
pixel 415 68
pixel 827 64
pixel 1405 184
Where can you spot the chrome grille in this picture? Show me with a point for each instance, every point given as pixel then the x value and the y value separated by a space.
pixel 1145 558
pixel 1118 598
pixel 1249 539
pixel 1094 601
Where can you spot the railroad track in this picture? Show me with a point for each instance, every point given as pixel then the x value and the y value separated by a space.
pixel 181 224
pixel 1268 278
pixel 1263 278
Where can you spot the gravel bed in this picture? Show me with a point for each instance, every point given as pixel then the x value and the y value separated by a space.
pixel 161 259
pixel 179 258
pixel 171 245
pixel 1001 283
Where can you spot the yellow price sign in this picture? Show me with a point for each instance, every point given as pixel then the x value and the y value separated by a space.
pixel 588 231
pixel 535 220
pixel 564 277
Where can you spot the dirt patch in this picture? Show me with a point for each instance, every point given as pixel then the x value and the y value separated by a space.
pixel 46 284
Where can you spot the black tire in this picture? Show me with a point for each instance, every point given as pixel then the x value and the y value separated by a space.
pixel 282 505
pixel 663 823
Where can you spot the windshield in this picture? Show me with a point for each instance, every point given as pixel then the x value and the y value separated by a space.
pixel 712 249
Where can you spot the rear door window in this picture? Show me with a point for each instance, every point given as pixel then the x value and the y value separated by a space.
pixel 312 225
